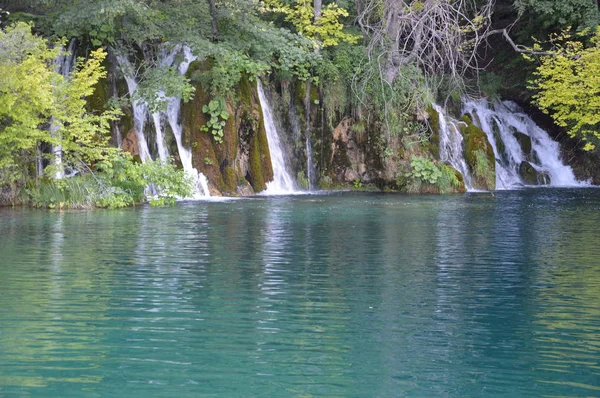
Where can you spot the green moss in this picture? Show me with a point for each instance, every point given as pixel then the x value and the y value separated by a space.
pixel 256 170
pixel 528 173
pixel 479 155
pixel 229 180
pixel 434 127
pixel 524 141
pixel 244 92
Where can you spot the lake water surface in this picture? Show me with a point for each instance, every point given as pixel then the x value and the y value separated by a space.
pixel 341 295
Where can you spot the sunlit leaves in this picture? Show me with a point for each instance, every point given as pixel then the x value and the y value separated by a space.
pixel 33 95
pixel 324 32
pixel 568 84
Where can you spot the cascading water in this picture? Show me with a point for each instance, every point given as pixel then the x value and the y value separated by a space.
pixel 171 115
pixel 282 183
pixel 451 145
pixel 507 127
pixel 166 58
pixel 140 110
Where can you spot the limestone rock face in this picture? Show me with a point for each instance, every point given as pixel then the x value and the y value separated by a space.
pixel 240 164
pixel 131 143
pixel 348 158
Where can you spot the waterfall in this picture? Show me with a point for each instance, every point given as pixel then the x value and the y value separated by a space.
pixel 165 59
pixel 282 183
pixel 64 65
pixel 451 145
pixel 509 131
pixel 140 110
pixel 171 115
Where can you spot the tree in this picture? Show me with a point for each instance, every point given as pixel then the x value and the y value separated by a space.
pixel 553 15
pixel 568 84
pixel 439 36
pixel 321 25
pixel 33 95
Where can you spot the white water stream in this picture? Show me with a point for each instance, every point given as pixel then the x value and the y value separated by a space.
pixel 171 116
pixel 451 145
pixel 282 183
pixel 502 122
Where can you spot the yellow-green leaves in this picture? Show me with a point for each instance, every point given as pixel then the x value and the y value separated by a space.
pixel 33 96
pixel 25 91
pixel 568 84
pixel 325 32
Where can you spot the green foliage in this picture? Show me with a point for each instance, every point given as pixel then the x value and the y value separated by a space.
pixel 325 182
pixel 158 84
pixel 302 180
pixel 490 85
pixel 484 169
pixel 131 180
pixel 34 95
pixel 80 192
pixel 424 170
pixel 357 184
pixel 208 161
pixel 119 182
pixel 325 31
pixel 395 105
pixel 552 14
pixel 568 84
pixel 479 155
pixel 218 115
pixel 448 181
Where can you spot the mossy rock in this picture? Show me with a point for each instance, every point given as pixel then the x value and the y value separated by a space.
pixel 201 142
pixel 461 181
pixel 499 141
pixel 227 149
pixel 434 127
pixel 531 176
pixel 252 131
pixel 524 142
pixel 479 155
pixel 229 181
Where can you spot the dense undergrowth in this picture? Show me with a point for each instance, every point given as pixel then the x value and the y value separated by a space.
pixel 118 182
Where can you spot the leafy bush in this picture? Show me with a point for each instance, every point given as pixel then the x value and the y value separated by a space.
pixel 448 181
pixel 424 170
pixel 159 182
pixel 120 182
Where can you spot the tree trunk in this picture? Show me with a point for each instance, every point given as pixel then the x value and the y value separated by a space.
pixel 212 5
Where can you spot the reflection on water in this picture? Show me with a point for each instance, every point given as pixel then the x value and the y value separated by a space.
pixel 334 295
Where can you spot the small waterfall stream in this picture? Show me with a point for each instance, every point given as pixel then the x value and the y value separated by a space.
pixel 451 144
pixel 171 116
pixel 282 183
pixel 511 133
pixel 140 110
pixel 507 127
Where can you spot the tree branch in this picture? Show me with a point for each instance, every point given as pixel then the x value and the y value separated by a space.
pixel 517 47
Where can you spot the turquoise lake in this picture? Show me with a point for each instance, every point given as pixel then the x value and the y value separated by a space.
pixel 333 295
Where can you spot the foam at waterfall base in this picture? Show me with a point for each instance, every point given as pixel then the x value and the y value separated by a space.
pixel 276 190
